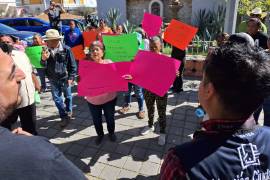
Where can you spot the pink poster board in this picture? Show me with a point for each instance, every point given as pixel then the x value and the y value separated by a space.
pixel 96 79
pixel 151 24
pixel 154 72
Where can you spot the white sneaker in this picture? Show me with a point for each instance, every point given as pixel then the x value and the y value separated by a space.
pixel 162 139
pixel 147 130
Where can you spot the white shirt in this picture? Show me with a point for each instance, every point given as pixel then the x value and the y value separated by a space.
pixel 27 90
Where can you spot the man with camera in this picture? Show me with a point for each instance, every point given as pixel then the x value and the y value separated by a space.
pixel 54 12
pixel 60 68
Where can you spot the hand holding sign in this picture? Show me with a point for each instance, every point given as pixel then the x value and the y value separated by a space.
pixel 151 24
pixel 179 34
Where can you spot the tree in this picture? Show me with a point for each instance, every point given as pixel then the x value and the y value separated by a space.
pixel 248 5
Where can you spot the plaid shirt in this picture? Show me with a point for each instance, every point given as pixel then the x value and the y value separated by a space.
pixel 172 167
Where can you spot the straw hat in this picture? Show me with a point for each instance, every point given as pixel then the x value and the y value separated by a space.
pixel 52 34
pixel 257 11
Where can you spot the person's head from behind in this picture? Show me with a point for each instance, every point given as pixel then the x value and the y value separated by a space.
pixel 96 51
pixel 241 38
pixel 72 24
pixel 235 81
pixel 37 40
pixel 253 26
pixel 10 77
pixel 155 44
pixel 6 39
pixel 222 38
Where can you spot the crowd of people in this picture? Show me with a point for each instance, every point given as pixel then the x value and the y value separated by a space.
pixel 234 89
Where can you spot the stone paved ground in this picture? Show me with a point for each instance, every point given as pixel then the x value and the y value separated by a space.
pixel 133 156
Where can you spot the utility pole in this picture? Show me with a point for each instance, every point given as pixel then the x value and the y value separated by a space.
pixel 231 16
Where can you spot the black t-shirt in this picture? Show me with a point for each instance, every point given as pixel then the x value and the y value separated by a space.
pixel 32 158
pixel 260 39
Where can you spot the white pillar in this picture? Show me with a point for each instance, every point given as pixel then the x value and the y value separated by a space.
pixel 231 16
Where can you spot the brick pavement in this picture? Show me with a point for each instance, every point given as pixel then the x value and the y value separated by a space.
pixel 133 156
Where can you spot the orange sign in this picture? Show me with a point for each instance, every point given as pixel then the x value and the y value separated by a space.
pixel 78 52
pixel 179 34
pixel 89 37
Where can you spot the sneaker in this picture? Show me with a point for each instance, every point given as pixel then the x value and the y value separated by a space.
pixel 147 130
pixel 98 140
pixel 124 109
pixel 141 115
pixel 112 137
pixel 162 139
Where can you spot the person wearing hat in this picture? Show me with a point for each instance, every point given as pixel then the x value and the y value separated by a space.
pixel 60 67
pixel 255 13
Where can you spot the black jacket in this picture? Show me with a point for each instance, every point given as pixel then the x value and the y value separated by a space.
pixel 61 66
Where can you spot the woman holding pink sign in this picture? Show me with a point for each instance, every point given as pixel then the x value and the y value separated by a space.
pixel 104 102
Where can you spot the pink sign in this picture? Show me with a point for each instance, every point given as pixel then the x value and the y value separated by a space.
pixel 151 24
pixel 96 79
pixel 154 72
pixel 123 68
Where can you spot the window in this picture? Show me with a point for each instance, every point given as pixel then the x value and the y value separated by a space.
pixel 21 22
pixel 156 7
pixel 34 23
pixel 8 23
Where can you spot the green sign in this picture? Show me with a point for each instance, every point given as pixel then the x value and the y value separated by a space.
pixel 34 54
pixel 120 48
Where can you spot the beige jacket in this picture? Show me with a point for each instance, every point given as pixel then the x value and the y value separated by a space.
pixel 27 90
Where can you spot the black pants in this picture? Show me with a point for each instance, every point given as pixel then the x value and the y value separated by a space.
pixel 27 116
pixel 178 82
pixel 109 110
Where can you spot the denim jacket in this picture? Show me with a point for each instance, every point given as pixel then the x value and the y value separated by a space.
pixel 61 66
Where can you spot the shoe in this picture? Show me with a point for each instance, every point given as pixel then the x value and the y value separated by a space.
pixel 98 140
pixel 64 121
pixel 124 109
pixel 112 137
pixel 162 139
pixel 69 114
pixel 147 130
pixel 141 115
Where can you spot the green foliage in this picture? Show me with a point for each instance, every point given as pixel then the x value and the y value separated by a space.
pixel 113 16
pixel 247 5
pixel 210 23
pixel 128 27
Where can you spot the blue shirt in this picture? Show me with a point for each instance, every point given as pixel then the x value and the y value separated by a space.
pixel 73 37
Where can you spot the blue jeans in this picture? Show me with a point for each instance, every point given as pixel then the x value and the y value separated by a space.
pixel 139 95
pixel 41 74
pixel 266 109
pixel 109 110
pixel 59 88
